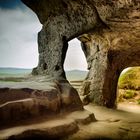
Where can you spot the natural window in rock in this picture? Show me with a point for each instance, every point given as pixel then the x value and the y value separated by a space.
pixel 75 64
pixel 18 45
pixel 129 89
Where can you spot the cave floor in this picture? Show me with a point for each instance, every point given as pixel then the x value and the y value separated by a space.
pixel 123 123
pixel 43 127
pixel 110 124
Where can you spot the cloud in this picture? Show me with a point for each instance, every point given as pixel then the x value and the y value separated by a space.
pixel 18 41
pixel 18 38
pixel 75 58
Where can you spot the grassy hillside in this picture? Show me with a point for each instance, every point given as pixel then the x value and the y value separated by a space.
pixel 129 86
pixel 130 79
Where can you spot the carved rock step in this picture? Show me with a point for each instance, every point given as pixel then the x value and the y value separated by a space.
pixel 56 128
pixel 18 110
pixel 34 98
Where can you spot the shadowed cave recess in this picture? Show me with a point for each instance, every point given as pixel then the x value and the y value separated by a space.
pixel 109 33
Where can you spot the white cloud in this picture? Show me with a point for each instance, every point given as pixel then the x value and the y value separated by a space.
pixel 18 38
pixel 75 58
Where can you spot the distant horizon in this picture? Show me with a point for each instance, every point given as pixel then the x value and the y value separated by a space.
pixel 15 68
pixel 33 67
pixel 29 68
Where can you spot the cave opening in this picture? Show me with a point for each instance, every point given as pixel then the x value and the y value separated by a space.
pixel 75 64
pixel 128 94
pixel 18 45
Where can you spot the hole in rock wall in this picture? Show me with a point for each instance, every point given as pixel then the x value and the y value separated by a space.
pixel 18 38
pixel 75 64
pixel 129 89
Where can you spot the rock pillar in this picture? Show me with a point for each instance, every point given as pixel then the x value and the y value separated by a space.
pixel 101 83
pixel 52 51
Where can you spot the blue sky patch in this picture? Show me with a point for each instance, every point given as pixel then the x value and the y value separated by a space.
pixel 10 4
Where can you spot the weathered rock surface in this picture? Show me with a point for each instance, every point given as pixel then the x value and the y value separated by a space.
pixel 62 21
pixel 31 99
pixel 110 34
pixel 111 125
pixel 57 127
pixel 109 51
pixel 109 31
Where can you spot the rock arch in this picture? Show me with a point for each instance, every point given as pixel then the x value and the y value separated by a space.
pixel 75 58
pixel 107 55
pixel 111 40
pixel 59 29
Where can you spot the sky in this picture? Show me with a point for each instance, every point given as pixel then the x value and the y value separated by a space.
pixel 18 39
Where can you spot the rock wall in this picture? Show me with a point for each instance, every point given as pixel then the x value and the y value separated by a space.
pixel 107 55
pixel 18 103
pixel 61 23
pixel 111 50
pixel 110 34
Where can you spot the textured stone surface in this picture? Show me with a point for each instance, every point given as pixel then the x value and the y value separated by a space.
pixel 23 101
pixel 77 17
pixel 110 34
pixel 111 50
pixel 108 52
pixel 57 127
pixel 109 31
pixel 111 125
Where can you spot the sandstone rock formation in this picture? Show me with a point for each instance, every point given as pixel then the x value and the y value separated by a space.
pixel 109 31
pixel 54 128
pixel 110 34
pixel 27 100
pixel 62 21
pixel 111 50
